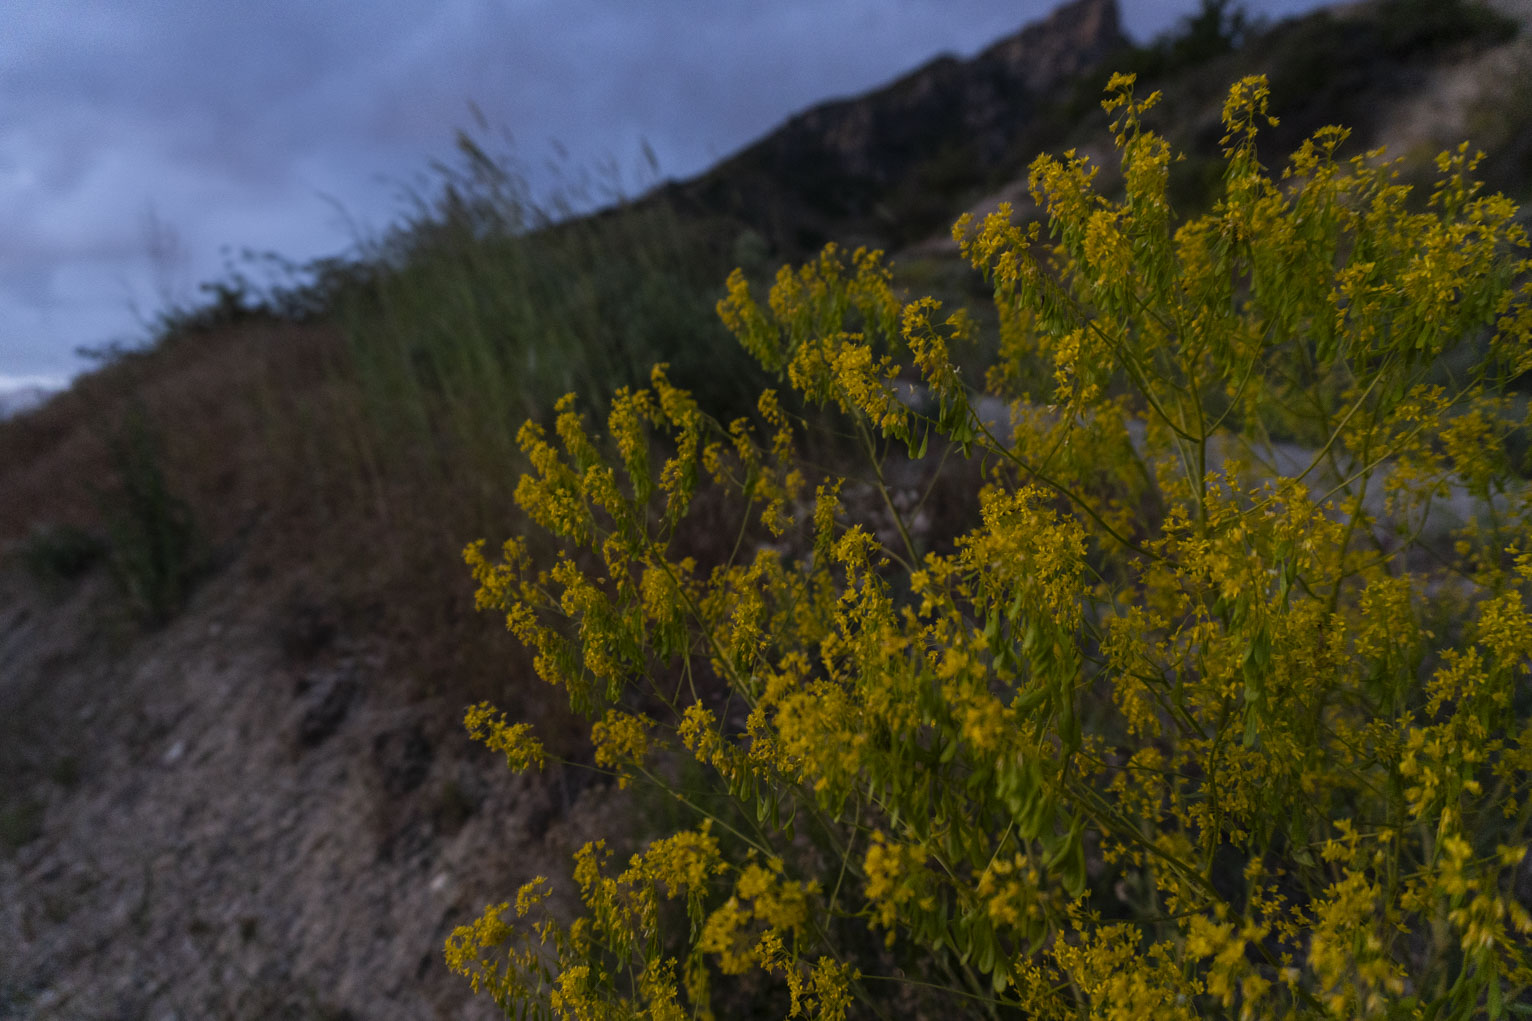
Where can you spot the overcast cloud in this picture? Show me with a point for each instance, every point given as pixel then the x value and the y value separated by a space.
pixel 141 139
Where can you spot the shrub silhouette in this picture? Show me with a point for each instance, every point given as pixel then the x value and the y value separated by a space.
pixel 57 554
pixel 1210 713
pixel 155 547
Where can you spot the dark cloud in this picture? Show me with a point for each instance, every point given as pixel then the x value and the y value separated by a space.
pixel 237 124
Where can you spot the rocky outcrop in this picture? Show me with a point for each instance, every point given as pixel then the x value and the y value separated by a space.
pixel 858 169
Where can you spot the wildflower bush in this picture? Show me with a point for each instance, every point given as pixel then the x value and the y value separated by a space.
pixel 1220 708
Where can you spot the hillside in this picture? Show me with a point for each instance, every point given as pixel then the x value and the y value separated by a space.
pixel 236 634
pixel 22 398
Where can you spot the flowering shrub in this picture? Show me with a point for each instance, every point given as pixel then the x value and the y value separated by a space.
pixel 1207 715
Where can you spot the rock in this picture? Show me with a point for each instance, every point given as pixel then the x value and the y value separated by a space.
pixel 328 709
pixel 846 160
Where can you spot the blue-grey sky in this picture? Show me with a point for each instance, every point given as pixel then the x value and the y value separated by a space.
pixel 141 139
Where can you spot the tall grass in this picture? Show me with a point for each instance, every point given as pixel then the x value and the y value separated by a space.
pixel 390 432
pixel 483 307
pixel 155 543
pixel 352 431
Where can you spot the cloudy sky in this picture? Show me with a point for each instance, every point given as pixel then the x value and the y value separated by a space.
pixel 141 141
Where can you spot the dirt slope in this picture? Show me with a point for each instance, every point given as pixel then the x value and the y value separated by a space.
pixel 211 825
pixel 266 807
pixel 231 829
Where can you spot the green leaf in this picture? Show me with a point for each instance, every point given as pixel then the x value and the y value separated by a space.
pixel 1037 933
pixel 1252 728
pixel 1073 872
pixel 1069 724
pixel 985 938
pixel 1038 813
pixel 1031 700
pixel 1029 639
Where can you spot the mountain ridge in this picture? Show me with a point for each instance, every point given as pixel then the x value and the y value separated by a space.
pixel 834 161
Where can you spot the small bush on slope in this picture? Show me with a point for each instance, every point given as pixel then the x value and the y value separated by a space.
pixel 1171 732
pixel 156 549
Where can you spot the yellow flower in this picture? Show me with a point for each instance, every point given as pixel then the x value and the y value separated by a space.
pixel 621 739
pixel 515 741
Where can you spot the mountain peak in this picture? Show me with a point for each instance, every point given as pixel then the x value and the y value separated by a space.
pixel 1072 40
pixel 847 169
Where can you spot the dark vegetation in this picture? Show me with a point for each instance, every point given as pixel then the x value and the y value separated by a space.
pixel 153 543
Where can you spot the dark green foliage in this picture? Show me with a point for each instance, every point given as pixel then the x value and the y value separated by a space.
pixel 1410 27
pixel 1331 67
pixel 1218 27
pixel 155 547
pixel 1336 69
pixel 55 555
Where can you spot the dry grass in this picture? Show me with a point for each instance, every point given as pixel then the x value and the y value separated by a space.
pixel 256 423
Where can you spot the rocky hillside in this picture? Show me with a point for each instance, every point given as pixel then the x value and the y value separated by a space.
pixel 235 635
pixel 882 168
pixel 888 168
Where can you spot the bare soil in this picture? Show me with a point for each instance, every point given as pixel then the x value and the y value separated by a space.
pixel 208 821
pixel 267 807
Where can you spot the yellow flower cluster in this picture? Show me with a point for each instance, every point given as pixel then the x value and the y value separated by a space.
pixel 514 740
pixel 1209 663
pixel 748 930
pixel 895 876
pixel 621 739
